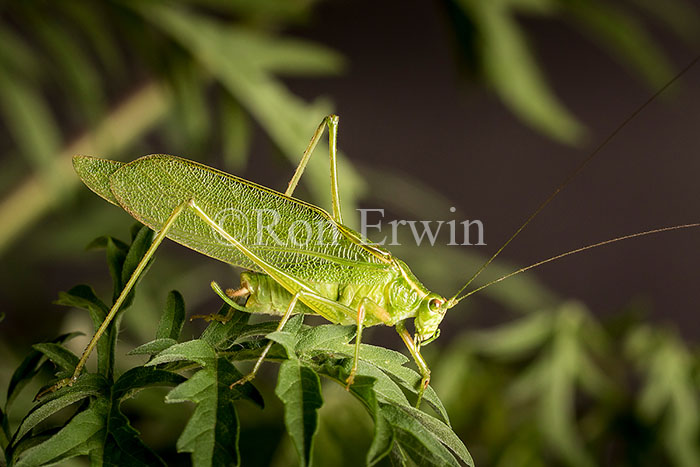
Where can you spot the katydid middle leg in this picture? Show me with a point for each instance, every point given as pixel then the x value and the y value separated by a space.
pixel 280 326
pixel 366 305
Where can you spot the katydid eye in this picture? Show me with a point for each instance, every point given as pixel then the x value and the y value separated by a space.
pixel 435 304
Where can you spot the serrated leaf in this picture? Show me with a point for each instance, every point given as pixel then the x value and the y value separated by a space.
pixel 443 432
pixel 422 446
pixel 217 334
pixel 287 340
pixel 172 320
pixel 140 377
pixel 669 391
pixel 289 335
pixel 154 347
pixel 299 388
pixel 256 330
pixel 211 434
pixel 116 442
pixel 74 70
pixel 116 254
pixel 623 37
pixel 123 446
pixel 332 338
pixel 320 338
pixel 195 350
pixel 504 53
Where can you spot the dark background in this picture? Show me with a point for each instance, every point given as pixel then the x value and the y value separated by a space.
pixel 403 107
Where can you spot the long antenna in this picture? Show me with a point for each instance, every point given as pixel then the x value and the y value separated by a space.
pixel 454 301
pixel 578 170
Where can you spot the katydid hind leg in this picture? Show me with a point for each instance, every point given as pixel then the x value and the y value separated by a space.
pixel 157 240
pixel 331 121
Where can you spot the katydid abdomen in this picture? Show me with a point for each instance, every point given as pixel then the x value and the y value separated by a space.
pixel 265 295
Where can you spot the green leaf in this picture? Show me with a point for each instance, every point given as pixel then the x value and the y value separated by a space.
pixel 16 56
pixel 29 368
pixel 85 386
pixel 299 388
pixel 442 432
pixel 123 446
pixel 422 446
pixel 212 433
pixel 84 297
pixel 154 347
pixel 139 378
pixel 513 340
pixel 58 354
pixel 115 441
pixel 81 436
pixel 173 319
pixel 382 442
pixel 72 68
pixel 335 339
pixel 218 334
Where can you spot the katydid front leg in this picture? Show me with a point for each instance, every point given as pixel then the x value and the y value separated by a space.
pixel 417 357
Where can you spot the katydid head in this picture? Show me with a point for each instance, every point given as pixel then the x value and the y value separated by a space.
pixel 430 313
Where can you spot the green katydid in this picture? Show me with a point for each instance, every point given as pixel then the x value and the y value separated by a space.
pixel 341 277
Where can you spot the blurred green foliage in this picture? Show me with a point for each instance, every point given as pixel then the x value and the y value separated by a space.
pixel 552 386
